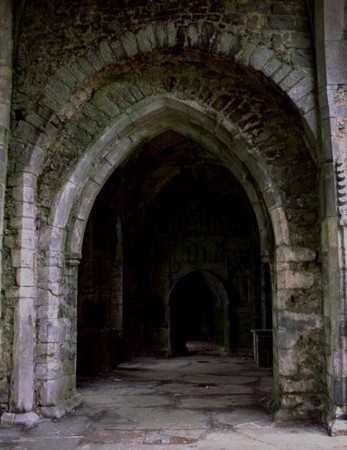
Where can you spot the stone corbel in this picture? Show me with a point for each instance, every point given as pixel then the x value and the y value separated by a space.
pixel 73 259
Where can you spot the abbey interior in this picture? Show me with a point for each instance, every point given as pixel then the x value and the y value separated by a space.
pixel 173 171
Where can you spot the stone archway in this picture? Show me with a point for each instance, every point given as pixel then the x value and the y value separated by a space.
pixel 74 202
pixel 238 139
pixel 71 208
pixel 199 311
pixel 156 231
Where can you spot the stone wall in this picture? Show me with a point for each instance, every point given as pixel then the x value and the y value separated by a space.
pixel 331 41
pixel 92 84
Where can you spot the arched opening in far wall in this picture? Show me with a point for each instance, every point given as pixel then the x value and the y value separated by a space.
pixel 199 315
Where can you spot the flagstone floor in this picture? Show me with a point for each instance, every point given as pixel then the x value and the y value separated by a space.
pixel 197 401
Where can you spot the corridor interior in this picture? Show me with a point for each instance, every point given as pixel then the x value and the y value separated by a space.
pixel 172 282
pixel 172 253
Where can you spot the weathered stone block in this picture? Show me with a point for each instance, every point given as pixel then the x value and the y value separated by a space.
pixel 118 50
pixel 282 71
pixel 193 35
pixel 171 34
pixel 92 189
pixel 311 119
pixel 146 39
pixel 59 87
pixel 25 277
pixel 106 52
pixel 90 110
pixel 27 239
pixel 56 412
pixel 23 193
pixel 102 172
pixel 25 131
pixel 299 40
pixel 28 419
pixel 291 79
pixel 244 54
pixel 260 57
pixel 105 104
pixel 54 330
pixel 5 115
pixel 288 363
pixel 129 44
pixel 302 88
pixel 66 200
pixel 226 42
pixel 76 72
pixel 94 58
pixel 280 225
pixel 295 254
pixel 295 280
pixel 53 392
pixel 282 22
pixel 271 66
pixel 161 34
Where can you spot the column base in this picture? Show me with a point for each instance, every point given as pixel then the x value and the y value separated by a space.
pixel 28 418
pixel 56 412
pixel 338 427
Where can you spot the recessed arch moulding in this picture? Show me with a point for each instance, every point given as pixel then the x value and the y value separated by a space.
pixel 253 144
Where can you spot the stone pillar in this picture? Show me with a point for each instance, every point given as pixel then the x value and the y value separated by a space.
pixel 331 51
pixel 24 296
pixel 6 51
pixel 58 391
pixel 117 283
pixel 6 48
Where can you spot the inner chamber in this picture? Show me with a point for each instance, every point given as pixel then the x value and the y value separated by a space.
pixel 171 260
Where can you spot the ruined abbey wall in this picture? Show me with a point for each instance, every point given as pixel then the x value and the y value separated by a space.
pixel 94 88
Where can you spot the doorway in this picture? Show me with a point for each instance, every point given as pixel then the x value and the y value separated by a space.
pixel 192 315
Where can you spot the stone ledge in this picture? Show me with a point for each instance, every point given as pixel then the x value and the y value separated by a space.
pixel 28 418
pixel 56 412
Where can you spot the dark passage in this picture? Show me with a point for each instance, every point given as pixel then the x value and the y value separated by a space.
pixel 192 313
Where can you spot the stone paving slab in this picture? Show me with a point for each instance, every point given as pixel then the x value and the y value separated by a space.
pixel 145 400
pixel 163 418
pixel 206 378
pixel 114 437
pixel 174 437
pixel 240 417
pixel 215 402
pixel 115 420
pixel 209 389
